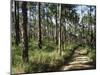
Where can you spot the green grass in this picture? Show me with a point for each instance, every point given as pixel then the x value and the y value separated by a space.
pixel 92 55
pixel 40 60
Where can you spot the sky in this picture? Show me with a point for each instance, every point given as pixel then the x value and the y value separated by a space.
pixel 83 8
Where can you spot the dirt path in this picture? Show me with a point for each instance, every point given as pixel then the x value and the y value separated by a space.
pixel 79 61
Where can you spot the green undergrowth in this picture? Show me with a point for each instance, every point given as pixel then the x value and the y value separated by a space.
pixel 40 60
pixel 92 55
pixel 91 52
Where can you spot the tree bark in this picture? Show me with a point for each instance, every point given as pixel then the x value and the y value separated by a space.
pixel 95 29
pixel 40 33
pixel 17 30
pixel 56 27
pixel 60 29
pixel 24 33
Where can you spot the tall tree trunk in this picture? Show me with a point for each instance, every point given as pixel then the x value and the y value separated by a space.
pixel 56 27
pixel 29 23
pixel 62 37
pixel 47 27
pixel 60 29
pixel 95 29
pixel 82 26
pixel 40 33
pixel 90 27
pixel 17 23
pixel 24 33
pixel 88 36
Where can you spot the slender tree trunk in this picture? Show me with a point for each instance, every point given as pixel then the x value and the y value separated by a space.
pixel 60 29
pixel 47 27
pixel 95 29
pixel 88 36
pixel 56 27
pixel 12 20
pixel 82 27
pixel 24 33
pixel 90 26
pixel 29 26
pixel 40 33
pixel 62 38
pixel 17 30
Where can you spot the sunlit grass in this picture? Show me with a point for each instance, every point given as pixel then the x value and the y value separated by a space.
pixel 42 60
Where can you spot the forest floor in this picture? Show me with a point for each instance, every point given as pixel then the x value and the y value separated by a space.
pixel 78 61
pixel 48 59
